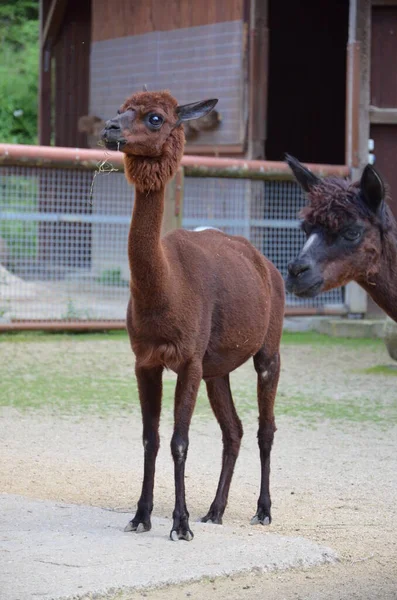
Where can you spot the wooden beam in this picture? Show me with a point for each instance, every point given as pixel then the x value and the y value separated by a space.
pixel 353 104
pixel 216 149
pixel 384 2
pixel 258 68
pixel 358 85
pixel 357 113
pixel 44 112
pixel 173 203
pixel 53 22
pixel 382 116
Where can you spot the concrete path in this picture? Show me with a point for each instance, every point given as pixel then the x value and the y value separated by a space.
pixel 51 550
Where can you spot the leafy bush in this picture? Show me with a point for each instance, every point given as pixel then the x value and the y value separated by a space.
pixel 19 71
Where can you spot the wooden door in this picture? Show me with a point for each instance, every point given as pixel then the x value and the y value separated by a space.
pixel 383 109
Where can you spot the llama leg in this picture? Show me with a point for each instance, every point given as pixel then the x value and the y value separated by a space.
pixel 222 404
pixel 267 365
pixel 185 399
pixel 150 390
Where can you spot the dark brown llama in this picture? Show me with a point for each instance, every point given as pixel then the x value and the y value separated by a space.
pixel 202 303
pixel 352 236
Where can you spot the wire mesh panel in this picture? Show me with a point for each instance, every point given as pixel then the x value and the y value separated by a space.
pixel 217 202
pixel 63 256
pixel 63 237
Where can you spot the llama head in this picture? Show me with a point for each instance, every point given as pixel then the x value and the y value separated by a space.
pixel 148 130
pixel 344 223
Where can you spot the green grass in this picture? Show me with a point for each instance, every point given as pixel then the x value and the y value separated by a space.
pixel 45 337
pixel 93 373
pixel 349 409
pixel 382 370
pixel 319 339
pixel 308 338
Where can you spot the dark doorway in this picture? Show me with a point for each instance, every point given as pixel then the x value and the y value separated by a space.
pixel 307 80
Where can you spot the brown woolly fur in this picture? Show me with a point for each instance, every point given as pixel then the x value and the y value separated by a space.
pixel 352 234
pixel 202 303
pixel 336 201
pixel 152 173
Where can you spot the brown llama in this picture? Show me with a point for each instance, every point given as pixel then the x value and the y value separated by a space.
pixel 202 303
pixel 352 236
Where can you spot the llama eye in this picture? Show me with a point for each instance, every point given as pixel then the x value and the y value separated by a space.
pixel 155 121
pixel 352 235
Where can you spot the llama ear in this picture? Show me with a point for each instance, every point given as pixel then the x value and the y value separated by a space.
pixel 306 179
pixel 372 188
pixel 188 112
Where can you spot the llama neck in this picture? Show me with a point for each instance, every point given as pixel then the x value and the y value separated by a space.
pixel 148 264
pixel 383 287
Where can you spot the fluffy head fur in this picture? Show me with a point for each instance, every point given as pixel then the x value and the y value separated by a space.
pixel 152 157
pixel 335 202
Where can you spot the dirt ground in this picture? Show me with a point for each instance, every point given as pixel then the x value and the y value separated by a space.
pixel 333 481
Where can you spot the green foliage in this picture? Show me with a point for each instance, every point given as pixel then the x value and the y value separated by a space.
pixel 112 277
pixel 73 313
pixel 18 194
pixel 19 68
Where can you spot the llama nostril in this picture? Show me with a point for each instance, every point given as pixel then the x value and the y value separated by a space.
pixel 112 125
pixel 297 269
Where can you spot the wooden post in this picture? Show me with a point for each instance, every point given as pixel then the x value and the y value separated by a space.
pixel 358 85
pixel 258 77
pixel 173 204
pixel 357 112
pixel 44 112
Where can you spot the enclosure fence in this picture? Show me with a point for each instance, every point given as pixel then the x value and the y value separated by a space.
pixel 65 215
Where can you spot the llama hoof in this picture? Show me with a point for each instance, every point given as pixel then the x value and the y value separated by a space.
pixel 212 518
pixel 259 519
pixel 181 534
pixel 138 526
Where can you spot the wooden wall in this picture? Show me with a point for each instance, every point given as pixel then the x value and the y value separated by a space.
pixel 121 18
pixel 196 49
pixel 72 61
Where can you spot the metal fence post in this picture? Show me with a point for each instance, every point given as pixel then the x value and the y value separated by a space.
pixel 356 299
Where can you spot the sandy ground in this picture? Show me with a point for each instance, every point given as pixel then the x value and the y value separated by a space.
pixel 333 481
pixel 335 485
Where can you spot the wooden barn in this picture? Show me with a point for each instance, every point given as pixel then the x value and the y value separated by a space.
pixel 315 79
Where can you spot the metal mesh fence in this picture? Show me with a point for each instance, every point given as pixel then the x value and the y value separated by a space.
pixel 63 241
pixel 64 258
